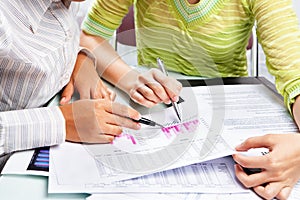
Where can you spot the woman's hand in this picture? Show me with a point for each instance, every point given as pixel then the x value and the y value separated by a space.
pixel 154 87
pixel 86 81
pixel 97 121
pixel 280 167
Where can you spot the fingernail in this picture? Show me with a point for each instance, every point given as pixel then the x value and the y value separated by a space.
pixel 176 99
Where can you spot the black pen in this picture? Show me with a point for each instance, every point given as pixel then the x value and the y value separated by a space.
pixel 161 66
pixel 147 122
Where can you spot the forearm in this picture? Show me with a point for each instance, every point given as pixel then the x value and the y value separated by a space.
pixel 109 64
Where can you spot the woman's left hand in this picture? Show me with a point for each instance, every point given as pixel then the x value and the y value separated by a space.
pixel 86 81
pixel 280 167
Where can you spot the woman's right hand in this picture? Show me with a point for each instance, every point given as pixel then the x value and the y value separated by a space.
pixel 97 121
pixel 151 87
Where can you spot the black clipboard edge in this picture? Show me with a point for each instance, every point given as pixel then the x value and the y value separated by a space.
pixel 230 81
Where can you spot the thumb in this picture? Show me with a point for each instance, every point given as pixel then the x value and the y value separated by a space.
pixel 67 93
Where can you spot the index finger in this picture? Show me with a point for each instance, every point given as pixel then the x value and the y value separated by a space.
pixel 171 85
pixel 252 161
pixel 123 111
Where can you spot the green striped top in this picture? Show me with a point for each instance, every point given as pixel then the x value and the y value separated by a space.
pixel 209 38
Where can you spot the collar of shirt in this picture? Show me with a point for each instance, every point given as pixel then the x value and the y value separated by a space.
pixel 35 10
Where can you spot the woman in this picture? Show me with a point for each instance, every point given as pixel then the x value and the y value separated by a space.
pixel 208 38
pixel 39 47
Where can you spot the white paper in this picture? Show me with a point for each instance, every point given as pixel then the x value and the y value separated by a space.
pixel 207 177
pixel 254 111
pixel 174 196
pixel 215 108
pixel 18 164
pixel 295 194
pixel 69 159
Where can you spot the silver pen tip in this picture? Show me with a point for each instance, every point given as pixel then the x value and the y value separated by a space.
pixel 160 125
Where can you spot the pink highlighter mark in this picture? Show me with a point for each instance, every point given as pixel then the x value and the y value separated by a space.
pixel 176 129
pixel 166 132
pixel 127 136
pixel 132 140
pixel 186 125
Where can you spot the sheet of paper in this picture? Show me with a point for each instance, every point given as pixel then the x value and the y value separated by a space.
pixel 295 194
pixel 188 196
pixel 207 177
pixel 18 164
pixel 209 110
pixel 138 153
pixel 178 196
pixel 76 158
pixel 253 110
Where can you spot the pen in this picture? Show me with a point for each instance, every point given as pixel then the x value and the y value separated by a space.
pixel 161 66
pixel 148 122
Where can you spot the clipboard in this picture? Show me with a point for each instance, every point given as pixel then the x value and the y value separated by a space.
pixel 230 81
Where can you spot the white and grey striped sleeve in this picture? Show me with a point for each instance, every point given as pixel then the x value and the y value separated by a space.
pixel 31 128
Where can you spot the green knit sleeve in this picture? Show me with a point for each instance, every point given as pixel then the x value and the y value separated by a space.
pixel 279 34
pixel 105 17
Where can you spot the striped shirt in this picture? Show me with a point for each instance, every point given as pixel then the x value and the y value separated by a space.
pixel 209 38
pixel 39 42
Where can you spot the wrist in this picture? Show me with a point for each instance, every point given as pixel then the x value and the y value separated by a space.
pixel 128 80
pixel 87 55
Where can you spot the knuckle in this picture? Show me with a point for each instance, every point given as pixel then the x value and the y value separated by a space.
pixel 240 161
pixel 247 142
pixel 108 138
pixel 147 92
pixel 272 162
pixel 142 79
pixel 277 175
pixel 165 80
pixel 268 194
pixel 115 131
pixel 248 183
pixel 153 71
pixel 269 138
pixel 179 85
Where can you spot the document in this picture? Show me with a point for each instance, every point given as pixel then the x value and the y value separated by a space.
pixel 19 163
pixel 99 160
pixel 175 196
pixel 212 118
pixel 207 177
pixel 295 195
pixel 253 110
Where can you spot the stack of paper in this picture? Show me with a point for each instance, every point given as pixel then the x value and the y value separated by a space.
pixel 184 160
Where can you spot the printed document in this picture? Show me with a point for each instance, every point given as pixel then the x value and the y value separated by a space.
pixel 215 119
